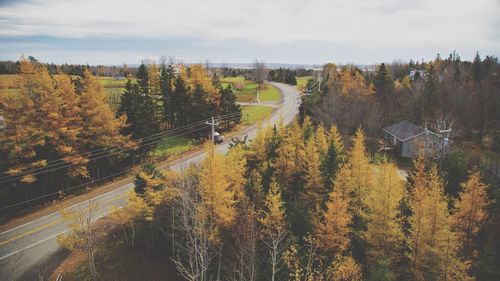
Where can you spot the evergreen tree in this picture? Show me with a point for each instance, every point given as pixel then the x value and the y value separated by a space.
pixel 228 104
pixel 431 91
pixel 143 79
pixel 167 87
pixel 384 85
pixel 477 70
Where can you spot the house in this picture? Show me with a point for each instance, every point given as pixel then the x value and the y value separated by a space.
pixel 407 138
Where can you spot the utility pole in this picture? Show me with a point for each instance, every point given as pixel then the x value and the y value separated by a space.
pixel 213 124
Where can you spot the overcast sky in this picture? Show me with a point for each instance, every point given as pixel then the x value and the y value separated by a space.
pixel 238 31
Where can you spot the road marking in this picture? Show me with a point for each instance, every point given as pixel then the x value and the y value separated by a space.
pixel 36 229
pixel 21 235
pixel 32 245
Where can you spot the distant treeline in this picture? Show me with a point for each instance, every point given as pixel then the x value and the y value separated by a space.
pixel 288 75
pixel 12 67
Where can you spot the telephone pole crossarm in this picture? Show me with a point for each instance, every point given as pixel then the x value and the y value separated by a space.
pixel 213 124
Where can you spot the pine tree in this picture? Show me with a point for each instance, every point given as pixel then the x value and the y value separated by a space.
pixel 167 87
pixel 228 104
pixel 470 213
pixel 143 79
pixel 384 85
pixel 334 157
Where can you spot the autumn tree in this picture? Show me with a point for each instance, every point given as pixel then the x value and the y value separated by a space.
pixel 83 236
pixel 470 213
pixel 314 191
pixel 274 228
pixel 360 188
pixel 218 193
pixel 383 235
pixel 434 246
pixel 100 127
pixel 332 231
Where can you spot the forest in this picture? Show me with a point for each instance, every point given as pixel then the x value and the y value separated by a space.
pixel 60 134
pixel 297 203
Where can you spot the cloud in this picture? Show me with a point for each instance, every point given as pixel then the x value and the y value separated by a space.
pixel 384 28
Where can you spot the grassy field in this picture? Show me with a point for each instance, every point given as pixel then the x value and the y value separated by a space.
pixel 248 94
pixel 173 146
pixel 255 113
pixel 302 82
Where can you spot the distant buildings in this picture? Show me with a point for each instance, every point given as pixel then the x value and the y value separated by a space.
pixel 415 74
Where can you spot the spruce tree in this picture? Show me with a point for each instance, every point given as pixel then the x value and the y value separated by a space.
pixel 384 85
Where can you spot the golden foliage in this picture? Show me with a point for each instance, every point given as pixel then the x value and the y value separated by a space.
pixel 470 211
pixel 384 236
pixel 333 230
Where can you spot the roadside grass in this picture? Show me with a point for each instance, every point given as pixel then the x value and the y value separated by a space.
pixel 172 146
pixel 255 113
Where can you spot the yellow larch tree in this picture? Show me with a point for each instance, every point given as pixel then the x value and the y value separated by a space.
pixel 384 236
pixel 101 128
pixel 321 140
pixel 470 212
pixel 215 189
pixel 129 216
pixel 434 244
pixel 235 170
pixel 361 174
pixel 154 79
pixel 314 192
pixel 63 114
pixel 22 132
pixel 345 268
pixel 336 139
pixel 274 228
pixel 332 231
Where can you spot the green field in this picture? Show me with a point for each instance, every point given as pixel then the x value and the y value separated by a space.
pixel 255 113
pixel 173 146
pixel 248 94
pixel 302 82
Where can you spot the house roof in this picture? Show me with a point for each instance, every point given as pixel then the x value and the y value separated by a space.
pixel 404 130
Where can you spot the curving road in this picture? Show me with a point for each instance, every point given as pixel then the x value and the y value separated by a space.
pixel 25 246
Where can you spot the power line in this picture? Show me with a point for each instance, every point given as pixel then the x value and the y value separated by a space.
pixel 80 185
pixel 110 153
pixel 101 151
pixel 136 140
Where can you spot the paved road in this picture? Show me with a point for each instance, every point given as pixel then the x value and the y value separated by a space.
pixel 24 246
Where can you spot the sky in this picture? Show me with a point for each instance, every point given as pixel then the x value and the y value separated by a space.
pixel 240 31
